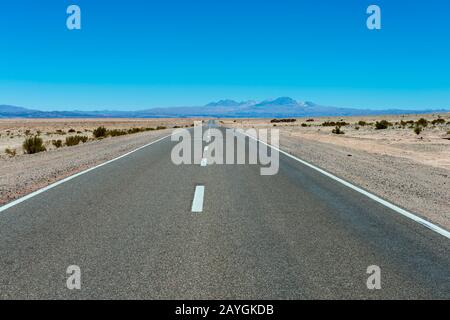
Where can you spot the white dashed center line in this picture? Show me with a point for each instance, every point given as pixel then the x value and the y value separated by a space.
pixel 204 161
pixel 197 203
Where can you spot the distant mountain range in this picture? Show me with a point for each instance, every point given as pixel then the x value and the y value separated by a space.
pixel 275 108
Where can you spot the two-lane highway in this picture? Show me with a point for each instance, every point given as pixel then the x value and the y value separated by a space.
pixel 130 227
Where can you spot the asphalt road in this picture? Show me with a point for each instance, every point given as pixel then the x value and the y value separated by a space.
pixel 130 228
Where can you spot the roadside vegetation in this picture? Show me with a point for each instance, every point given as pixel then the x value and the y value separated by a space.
pixel 11 152
pixel 335 124
pixel 409 123
pixel 33 143
pixel 417 126
pixel 422 122
pixel 57 143
pixel 75 140
pixel 383 124
pixel 438 121
pixel 282 120
pixel 337 130
pixel 100 132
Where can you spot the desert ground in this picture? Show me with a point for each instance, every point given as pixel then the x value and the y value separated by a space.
pixel 409 169
pixel 14 131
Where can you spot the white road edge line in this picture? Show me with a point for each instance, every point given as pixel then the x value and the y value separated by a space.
pixel 392 206
pixel 55 184
pixel 197 203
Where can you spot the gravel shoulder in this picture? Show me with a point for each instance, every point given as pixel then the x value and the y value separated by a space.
pixel 24 174
pixel 420 188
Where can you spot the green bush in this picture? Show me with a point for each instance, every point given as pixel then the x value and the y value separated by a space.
pixel 57 143
pixel 383 124
pixel 438 121
pixel 333 124
pixel 362 123
pixel 116 132
pixel 337 130
pixel 282 120
pixel 33 145
pixel 418 130
pixel 10 152
pixel 422 122
pixel 100 132
pixel 160 128
pixel 135 130
pixel 74 140
pixel 404 123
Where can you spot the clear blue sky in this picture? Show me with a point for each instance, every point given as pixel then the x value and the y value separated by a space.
pixel 138 54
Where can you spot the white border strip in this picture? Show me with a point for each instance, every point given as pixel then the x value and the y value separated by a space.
pixel 51 186
pixel 403 212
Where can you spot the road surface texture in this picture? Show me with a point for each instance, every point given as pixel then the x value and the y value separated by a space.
pixel 130 228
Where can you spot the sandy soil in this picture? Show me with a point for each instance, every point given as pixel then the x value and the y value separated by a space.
pixel 410 170
pixel 14 131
